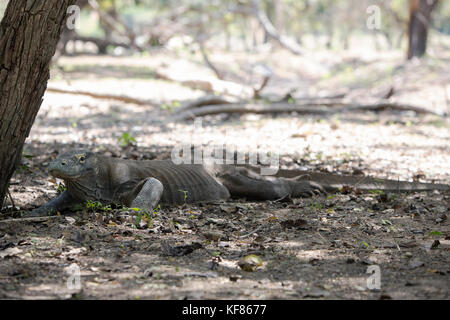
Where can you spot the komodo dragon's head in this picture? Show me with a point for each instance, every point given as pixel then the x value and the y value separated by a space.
pixel 73 164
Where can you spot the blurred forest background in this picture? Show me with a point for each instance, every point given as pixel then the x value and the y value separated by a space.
pixel 235 25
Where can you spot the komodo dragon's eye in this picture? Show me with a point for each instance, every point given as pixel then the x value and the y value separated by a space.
pixel 81 159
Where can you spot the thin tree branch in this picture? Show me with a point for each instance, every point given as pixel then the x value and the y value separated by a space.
pixel 269 28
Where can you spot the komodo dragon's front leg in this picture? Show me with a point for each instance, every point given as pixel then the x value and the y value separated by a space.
pixel 63 201
pixel 145 195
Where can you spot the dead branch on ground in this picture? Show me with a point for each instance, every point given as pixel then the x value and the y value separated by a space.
pixel 323 107
pixel 208 100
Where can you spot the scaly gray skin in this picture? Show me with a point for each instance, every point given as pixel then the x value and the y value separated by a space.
pixel 144 184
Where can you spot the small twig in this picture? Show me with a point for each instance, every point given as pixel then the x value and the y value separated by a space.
pixel 12 200
pixel 261 87
pixel 29 219
pixel 208 62
pixel 447 99
pixel 325 239
pixel 282 198
pixel 398 247
pixel 249 234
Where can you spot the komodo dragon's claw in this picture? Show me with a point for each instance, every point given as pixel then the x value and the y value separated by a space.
pixel 307 189
pixel 37 213
pixel 41 212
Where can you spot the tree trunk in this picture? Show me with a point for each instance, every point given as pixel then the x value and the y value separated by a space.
pixel 29 33
pixel 270 29
pixel 418 24
pixel 270 12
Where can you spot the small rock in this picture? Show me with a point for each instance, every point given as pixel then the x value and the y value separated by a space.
pixel 216 221
pixel 350 260
pixel 316 294
pixel 441 218
pixel 235 277
pixel 10 252
pixel 300 224
pixel 250 263
pixel 70 220
pixel 435 244
pixel 228 208
pixel 214 235
pixel 416 263
pixel 155 247
pixel 223 244
pixel 178 251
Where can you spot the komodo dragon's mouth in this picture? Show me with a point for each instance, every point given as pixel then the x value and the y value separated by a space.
pixel 60 175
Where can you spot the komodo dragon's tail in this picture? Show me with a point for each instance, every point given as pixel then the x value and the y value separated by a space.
pixel 333 182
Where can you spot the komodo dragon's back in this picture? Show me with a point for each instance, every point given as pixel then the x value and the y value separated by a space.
pixel 183 183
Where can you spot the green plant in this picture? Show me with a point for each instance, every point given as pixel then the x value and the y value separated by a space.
pixel 23 168
pixel 156 211
pixel 61 188
pixel 126 140
pixel 171 107
pixel 185 194
pixel 144 214
pixel 139 215
pixel 94 206
pixel 316 205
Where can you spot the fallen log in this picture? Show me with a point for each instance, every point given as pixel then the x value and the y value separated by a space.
pixel 208 100
pixel 323 107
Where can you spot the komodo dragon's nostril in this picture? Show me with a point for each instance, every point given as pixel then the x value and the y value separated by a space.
pixel 63 163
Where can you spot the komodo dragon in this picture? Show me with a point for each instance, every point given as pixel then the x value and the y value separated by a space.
pixel 144 184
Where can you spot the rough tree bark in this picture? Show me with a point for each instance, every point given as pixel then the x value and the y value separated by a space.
pixel 418 25
pixel 29 33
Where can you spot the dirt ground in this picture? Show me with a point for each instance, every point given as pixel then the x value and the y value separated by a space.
pixel 314 248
